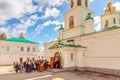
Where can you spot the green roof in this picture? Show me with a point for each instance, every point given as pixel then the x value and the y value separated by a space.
pixel 20 40
pixel 110 28
pixel 103 30
pixel 59 45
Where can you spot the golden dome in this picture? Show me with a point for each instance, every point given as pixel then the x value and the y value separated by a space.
pixel 110 8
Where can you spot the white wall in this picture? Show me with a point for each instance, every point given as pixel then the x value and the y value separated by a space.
pixel 8 59
pixel 15 47
pixel 48 52
pixel 67 57
pixel 103 49
pixel 15 53
pixel 80 60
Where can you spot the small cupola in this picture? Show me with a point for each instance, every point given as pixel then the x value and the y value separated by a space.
pixel 61 27
pixel 89 16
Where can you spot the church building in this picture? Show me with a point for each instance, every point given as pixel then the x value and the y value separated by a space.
pixel 80 47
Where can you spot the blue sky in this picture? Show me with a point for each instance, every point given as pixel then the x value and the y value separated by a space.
pixel 40 19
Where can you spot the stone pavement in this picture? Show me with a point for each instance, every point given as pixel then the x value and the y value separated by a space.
pixel 49 75
pixel 6 69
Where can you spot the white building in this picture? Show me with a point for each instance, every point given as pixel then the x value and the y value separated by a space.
pixel 16 49
pixel 79 46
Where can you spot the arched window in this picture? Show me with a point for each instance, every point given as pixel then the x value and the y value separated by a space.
pixel 106 23
pixel 71 22
pixel 114 20
pixel 72 3
pixel 86 3
pixel 78 2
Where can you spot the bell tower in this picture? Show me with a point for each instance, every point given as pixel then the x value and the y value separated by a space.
pixel 76 16
pixel 75 3
pixel 110 17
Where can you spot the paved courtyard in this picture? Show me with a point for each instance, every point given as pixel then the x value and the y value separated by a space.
pixel 7 73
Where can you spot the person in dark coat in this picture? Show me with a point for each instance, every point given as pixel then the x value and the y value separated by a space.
pixel 46 64
pixel 16 67
pixel 27 67
pixel 37 65
pixel 24 64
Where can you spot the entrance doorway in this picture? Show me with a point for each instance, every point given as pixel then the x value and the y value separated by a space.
pixel 57 60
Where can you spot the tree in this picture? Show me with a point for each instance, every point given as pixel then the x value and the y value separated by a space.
pixel 3 36
pixel 21 35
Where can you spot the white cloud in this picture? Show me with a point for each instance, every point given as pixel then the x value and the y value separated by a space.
pixel 51 12
pixel 91 0
pixel 52 39
pixel 117 5
pixel 40 8
pixel 49 22
pixel 41 48
pixel 3 19
pixel 57 27
pixel 15 9
pixel 5 30
pixel 51 2
pixel 25 24
pixel 20 8
pixel 97 23
pixel 15 29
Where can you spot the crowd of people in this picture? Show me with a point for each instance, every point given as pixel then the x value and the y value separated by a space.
pixel 37 65
pixel 31 65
